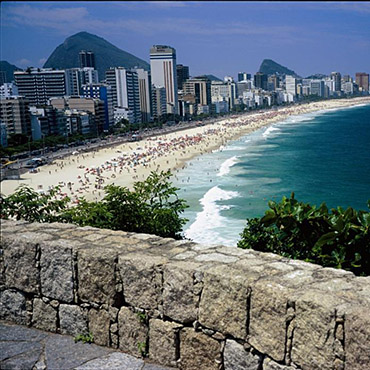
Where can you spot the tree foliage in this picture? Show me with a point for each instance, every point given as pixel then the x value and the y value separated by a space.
pixel 152 207
pixel 340 238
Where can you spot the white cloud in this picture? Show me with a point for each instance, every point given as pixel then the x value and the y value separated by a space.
pixel 23 62
pixel 60 19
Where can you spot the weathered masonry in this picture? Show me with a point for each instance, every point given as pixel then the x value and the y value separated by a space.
pixel 185 305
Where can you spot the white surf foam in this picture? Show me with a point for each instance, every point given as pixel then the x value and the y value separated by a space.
pixel 225 167
pixel 207 223
pixel 269 131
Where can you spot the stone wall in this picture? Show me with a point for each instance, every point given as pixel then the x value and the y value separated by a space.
pixel 183 304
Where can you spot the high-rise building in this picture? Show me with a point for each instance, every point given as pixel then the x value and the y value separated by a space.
pixel 337 78
pixel 14 113
pixel 46 121
pixel 362 80
pixel 76 77
pixel 182 73
pixel 104 93
pixel 260 81
pixel 291 85
pixel 145 95
pixel 39 85
pixel 317 87
pixel 221 91
pixel 87 59
pixel 92 105
pixel 159 101
pixel 274 80
pixel 8 89
pixel 163 72
pixel 200 87
pixel 243 76
pixel 347 78
pixel 125 90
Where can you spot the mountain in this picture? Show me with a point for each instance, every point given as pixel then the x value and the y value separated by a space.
pixel 213 78
pixel 106 54
pixel 316 76
pixel 270 67
pixel 210 77
pixel 9 70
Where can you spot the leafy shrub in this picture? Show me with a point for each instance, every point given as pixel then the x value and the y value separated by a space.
pixel 29 205
pixel 340 238
pixel 151 207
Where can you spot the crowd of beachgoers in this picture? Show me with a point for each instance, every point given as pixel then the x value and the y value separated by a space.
pixel 85 174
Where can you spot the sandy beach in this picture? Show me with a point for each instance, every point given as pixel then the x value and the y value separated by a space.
pixel 87 173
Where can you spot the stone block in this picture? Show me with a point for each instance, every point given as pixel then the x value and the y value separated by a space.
pixel 314 325
pixel 223 304
pixel 116 360
pixel 269 364
pixel 73 320
pixel 96 275
pixel 357 338
pixel 141 279
pixel 179 299
pixel 44 316
pixel 133 333
pixel 57 271
pixel 199 351
pixel 99 323
pixel 13 307
pixel 20 261
pixel 268 314
pixel 163 342
pixel 237 358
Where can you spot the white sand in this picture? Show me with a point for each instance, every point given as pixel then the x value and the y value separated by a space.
pixel 163 152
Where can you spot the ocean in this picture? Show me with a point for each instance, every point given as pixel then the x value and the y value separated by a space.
pixel 322 157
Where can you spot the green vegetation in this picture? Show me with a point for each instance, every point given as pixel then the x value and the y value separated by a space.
pixel 66 55
pixel 340 238
pixel 84 338
pixel 152 207
pixel 141 346
pixel 142 317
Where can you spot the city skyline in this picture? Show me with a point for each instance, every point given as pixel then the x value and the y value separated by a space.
pixel 220 38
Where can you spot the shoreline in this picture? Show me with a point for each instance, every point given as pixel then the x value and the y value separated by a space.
pixel 86 174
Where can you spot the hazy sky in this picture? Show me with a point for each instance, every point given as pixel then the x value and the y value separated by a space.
pixel 220 38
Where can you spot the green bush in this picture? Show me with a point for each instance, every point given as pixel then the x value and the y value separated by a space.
pixel 339 238
pixel 151 207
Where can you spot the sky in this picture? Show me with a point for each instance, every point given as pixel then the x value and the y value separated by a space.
pixel 214 37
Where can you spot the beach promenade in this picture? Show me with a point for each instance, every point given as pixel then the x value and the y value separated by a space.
pixel 85 174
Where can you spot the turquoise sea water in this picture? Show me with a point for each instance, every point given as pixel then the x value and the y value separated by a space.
pixel 322 157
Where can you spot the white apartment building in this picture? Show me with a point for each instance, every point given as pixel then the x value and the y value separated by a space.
pixel 221 91
pixel 291 85
pixel 125 90
pixel 163 73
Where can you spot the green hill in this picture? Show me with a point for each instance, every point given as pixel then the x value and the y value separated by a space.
pixel 106 54
pixel 9 70
pixel 270 67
